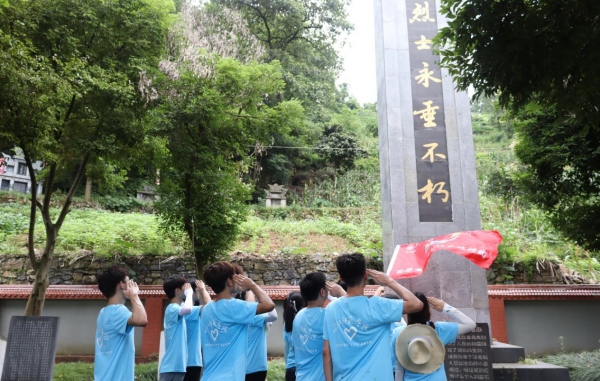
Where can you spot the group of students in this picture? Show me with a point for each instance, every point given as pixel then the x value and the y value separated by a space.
pixel 330 333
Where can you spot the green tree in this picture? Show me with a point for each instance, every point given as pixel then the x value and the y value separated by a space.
pixel 523 50
pixel 302 35
pixel 561 171
pixel 69 76
pixel 340 147
pixel 213 110
pixel 539 58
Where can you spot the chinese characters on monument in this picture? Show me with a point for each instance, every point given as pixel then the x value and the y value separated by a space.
pixel 433 174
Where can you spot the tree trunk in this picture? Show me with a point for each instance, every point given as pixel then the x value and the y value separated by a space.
pixel 88 189
pixel 200 262
pixel 35 304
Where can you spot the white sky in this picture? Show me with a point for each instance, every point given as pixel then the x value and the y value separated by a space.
pixel 359 53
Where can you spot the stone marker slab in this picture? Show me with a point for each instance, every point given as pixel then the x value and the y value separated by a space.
pixel 31 348
pixel 470 357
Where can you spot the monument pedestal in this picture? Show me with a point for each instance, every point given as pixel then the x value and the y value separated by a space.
pixel 506 366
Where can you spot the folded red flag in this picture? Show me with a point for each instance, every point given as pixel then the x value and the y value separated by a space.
pixel 478 246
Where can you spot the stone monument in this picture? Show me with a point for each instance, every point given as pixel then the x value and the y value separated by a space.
pixel 428 179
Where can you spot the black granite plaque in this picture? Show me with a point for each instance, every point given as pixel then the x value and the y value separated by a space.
pixel 31 348
pixel 470 357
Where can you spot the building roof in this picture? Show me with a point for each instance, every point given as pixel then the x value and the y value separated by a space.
pixel 511 292
pixel 22 291
pixel 543 291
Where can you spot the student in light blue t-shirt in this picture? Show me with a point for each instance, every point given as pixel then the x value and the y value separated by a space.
pixel 356 329
pixel 446 331
pixel 256 363
pixel 291 306
pixel 224 322
pixel 174 361
pixel 193 371
pixel 307 336
pixel 114 356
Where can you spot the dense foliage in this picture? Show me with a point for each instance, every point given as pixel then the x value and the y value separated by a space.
pixel 539 58
pixel 68 95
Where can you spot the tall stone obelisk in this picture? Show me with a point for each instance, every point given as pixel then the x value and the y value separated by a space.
pixel 428 179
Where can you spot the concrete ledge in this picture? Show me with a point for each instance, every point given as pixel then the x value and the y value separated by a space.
pixel 539 371
pixel 506 353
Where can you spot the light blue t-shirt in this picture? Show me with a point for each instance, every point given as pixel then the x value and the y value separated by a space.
pixel 358 330
pixel 224 326
pixel 447 333
pixel 288 349
pixel 193 337
pixel 257 345
pixel 307 338
pixel 114 346
pixel 176 354
pixel 394 336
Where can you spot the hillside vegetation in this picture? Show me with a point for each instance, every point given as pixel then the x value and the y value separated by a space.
pixel 335 214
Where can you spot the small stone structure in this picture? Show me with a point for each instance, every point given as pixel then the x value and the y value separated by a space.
pixel 269 269
pixel 276 196
pixel 147 194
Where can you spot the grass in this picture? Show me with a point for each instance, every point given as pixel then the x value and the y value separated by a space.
pixel 583 366
pixel 102 232
pixel 80 371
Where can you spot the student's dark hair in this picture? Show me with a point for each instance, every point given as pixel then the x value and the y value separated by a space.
pixel 291 306
pixel 174 282
pixel 390 296
pixel 110 279
pixel 343 285
pixel 216 275
pixel 423 316
pixel 352 268
pixel 311 285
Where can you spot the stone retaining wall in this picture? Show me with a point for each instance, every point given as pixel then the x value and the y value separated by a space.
pixel 270 269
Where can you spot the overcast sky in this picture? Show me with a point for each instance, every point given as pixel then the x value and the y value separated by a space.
pixel 359 53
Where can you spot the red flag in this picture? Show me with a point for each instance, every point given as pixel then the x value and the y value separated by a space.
pixel 478 246
pixel 1 165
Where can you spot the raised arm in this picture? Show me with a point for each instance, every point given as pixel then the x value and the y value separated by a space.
pixel 335 290
pixel 271 315
pixel 186 309
pixel 465 323
pixel 265 304
pixel 138 316
pixel 202 293
pixel 411 302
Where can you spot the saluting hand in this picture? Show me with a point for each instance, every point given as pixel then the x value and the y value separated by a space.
pixel 243 281
pixel 335 289
pixel 436 304
pixel 380 277
pixel 132 289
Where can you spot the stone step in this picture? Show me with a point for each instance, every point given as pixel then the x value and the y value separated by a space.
pixel 506 353
pixel 533 371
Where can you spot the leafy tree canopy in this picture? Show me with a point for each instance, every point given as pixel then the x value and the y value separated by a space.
pixel 213 109
pixel 562 171
pixel 69 73
pixel 539 57
pixel 526 49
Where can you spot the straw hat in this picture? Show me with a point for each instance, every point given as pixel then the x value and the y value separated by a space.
pixel 419 349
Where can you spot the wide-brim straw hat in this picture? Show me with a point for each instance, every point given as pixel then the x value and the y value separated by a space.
pixel 419 349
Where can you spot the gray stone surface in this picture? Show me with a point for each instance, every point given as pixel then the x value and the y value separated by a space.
pixel 538 371
pixel 447 276
pixel 506 353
